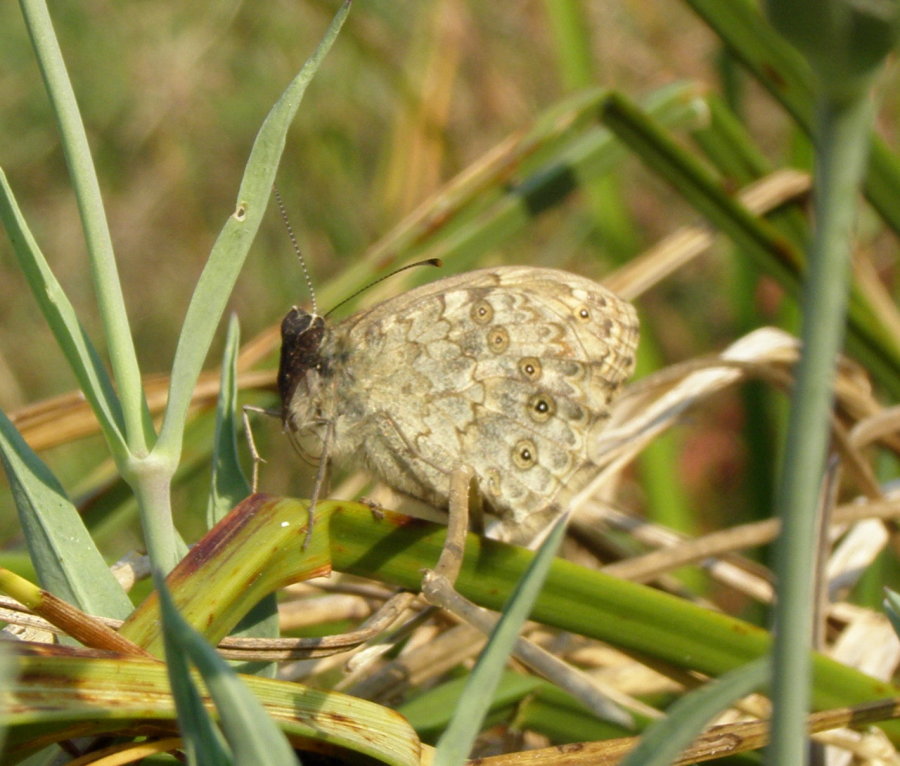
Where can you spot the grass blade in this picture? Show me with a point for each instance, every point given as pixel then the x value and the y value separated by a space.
pixel 154 474
pixel 55 695
pixel 110 301
pixel 229 485
pixel 64 556
pixel 456 742
pixel 784 73
pixel 773 252
pixel 256 549
pixel 845 48
pixel 661 744
pixel 63 322
pixel 232 245
pixel 251 733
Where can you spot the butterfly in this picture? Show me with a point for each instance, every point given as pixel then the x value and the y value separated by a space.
pixel 508 372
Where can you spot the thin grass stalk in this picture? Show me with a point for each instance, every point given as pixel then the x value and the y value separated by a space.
pixel 841 150
pixel 844 43
pixel 110 300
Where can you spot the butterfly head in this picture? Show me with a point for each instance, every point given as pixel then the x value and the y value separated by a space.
pixel 302 334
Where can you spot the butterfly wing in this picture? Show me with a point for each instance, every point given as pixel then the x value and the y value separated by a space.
pixel 509 371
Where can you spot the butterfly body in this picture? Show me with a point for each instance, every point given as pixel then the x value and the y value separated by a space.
pixel 507 371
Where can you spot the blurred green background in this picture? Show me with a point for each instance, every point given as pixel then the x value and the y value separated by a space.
pixel 172 96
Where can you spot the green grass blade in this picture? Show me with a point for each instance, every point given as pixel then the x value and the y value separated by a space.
pixel 64 556
pixel 781 70
pixel 63 322
pixel 625 614
pixel 154 474
pixel 773 252
pixel 431 711
pixel 229 485
pixel 251 733
pixel 256 550
pixel 844 45
pixel 892 608
pixel 55 695
pixel 203 743
pixel 456 742
pixel 253 551
pixel 231 247
pixel 840 159
pixel 729 146
pixel 661 744
pixel 110 301
pixel 700 188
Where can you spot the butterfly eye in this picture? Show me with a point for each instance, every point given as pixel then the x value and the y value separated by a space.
pixel 524 454
pixel 498 340
pixel 541 407
pixel 482 312
pixel 530 367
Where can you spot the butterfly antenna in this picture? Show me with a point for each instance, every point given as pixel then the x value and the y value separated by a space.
pixel 282 211
pixel 427 262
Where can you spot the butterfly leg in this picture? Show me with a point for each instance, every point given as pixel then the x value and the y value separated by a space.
pixel 447 568
pixel 450 560
pixel 321 477
pixel 254 453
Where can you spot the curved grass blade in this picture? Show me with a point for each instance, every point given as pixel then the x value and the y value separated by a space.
pixel 63 322
pixel 456 742
pixel 251 734
pixel 252 552
pixel 256 549
pixel 663 741
pixel 153 474
pixel 232 245
pixel 56 694
pixel 64 556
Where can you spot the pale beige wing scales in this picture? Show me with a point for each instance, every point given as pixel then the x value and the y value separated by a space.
pixel 509 371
